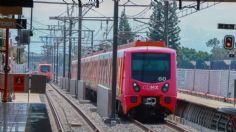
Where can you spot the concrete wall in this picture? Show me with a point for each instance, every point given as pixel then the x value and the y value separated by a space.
pixel 214 81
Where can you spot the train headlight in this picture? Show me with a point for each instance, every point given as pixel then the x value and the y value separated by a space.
pixel 165 87
pixel 136 87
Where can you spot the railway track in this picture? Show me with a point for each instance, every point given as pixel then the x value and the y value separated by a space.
pixel 155 128
pixel 167 126
pixel 175 126
pixel 88 121
pixel 55 114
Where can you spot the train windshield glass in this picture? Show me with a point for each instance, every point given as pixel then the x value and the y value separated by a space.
pixel 150 68
pixel 45 69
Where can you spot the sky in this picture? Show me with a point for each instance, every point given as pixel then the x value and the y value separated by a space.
pixel 196 29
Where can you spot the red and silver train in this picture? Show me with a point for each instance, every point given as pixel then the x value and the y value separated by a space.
pixel 46 70
pixel 146 76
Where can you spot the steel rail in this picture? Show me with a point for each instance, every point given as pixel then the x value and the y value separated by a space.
pixel 81 113
pixel 173 125
pixel 142 126
pixel 55 114
pixel 168 123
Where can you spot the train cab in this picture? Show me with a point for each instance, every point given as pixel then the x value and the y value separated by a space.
pixel 46 70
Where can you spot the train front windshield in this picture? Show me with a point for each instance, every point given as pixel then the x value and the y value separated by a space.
pixel 45 69
pixel 150 67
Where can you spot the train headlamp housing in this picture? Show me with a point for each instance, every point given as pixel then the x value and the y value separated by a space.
pixel 136 87
pixel 165 87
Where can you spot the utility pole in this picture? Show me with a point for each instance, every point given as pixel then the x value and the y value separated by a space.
pixel 57 63
pixel 166 21
pixel 54 60
pixel 64 50
pixel 79 43
pixel 31 25
pixel 92 41
pixel 18 44
pixel 113 120
pixel 70 44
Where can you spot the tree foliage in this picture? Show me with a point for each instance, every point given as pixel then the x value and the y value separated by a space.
pixel 217 51
pixel 125 34
pixel 186 55
pixel 213 43
pixel 164 23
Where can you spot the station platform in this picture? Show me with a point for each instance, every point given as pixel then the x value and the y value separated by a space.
pixel 25 113
pixel 24 117
pixel 203 101
pixel 25 97
pixel 224 107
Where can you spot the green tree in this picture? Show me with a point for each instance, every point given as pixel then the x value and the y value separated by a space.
pixel 213 43
pixel 163 23
pixel 217 51
pixel 186 55
pixel 125 34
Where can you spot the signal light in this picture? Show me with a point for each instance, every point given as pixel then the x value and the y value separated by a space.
pixel 229 42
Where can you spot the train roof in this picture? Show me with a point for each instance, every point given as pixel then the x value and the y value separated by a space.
pixel 139 46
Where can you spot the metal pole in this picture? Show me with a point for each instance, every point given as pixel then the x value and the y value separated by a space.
pixel 234 92
pixel 64 50
pixel 180 4
pixel 92 41
pixel 194 76
pixel 166 22
pixel 79 44
pixel 228 79
pixel 70 44
pixel 209 78
pixel 114 58
pixel 54 61
pixel 57 63
pixel 6 69
pixel 31 22
pixel 18 44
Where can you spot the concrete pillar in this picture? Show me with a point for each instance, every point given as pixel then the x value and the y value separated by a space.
pixel 72 87
pixel 104 101
pixel 81 90
pixel 64 83
pixel 67 85
pixel 60 82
